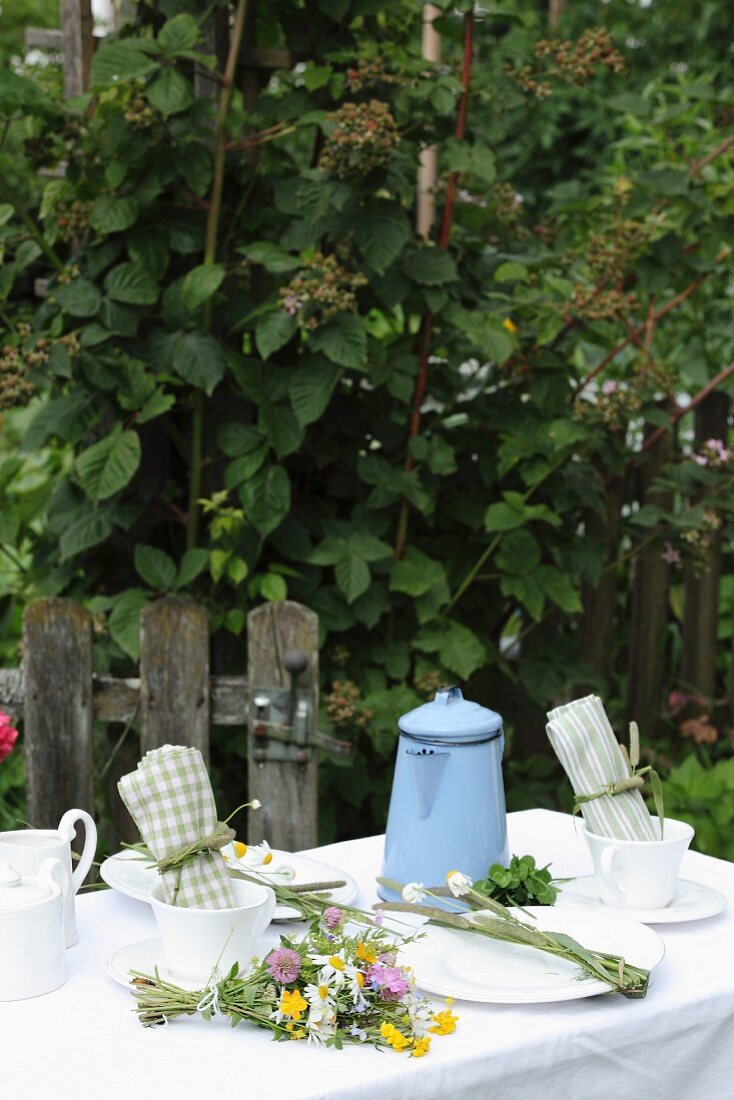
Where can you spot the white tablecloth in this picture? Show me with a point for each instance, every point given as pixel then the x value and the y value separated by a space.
pixel 83 1041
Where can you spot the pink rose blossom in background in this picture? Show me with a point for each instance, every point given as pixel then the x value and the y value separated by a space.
pixel 8 736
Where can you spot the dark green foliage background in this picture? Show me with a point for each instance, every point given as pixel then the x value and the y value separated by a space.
pixel 305 433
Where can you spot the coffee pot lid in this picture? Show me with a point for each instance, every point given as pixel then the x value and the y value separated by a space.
pixel 450 717
pixel 21 891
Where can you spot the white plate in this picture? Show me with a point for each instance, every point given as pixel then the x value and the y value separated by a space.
pixel 691 901
pixel 476 968
pixel 127 873
pixel 146 956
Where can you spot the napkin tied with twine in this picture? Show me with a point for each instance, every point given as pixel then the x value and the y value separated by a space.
pixel 599 770
pixel 170 799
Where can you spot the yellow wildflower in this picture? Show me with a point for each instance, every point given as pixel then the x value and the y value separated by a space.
pixel 393 1037
pixel 365 953
pixel 336 962
pixel 509 324
pixel 421 1046
pixel 298 1034
pixel 290 1026
pixel 293 1004
pixel 444 1022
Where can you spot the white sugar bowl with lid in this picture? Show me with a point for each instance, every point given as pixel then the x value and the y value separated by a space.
pixel 32 947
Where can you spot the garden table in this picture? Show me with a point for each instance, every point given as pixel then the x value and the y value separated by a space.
pixel 84 1041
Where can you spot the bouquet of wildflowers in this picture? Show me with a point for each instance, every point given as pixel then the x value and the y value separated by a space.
pixel 342 983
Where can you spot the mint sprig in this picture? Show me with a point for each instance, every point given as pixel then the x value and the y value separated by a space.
pixel 522 883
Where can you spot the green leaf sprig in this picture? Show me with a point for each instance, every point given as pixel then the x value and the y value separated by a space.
pixel 522 883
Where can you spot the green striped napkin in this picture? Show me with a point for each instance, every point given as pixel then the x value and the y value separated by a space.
pixel 585 744
pixel 170 799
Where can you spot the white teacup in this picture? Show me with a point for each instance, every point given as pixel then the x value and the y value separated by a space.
pixel 639 874
pixel 27 849
pixel 197 942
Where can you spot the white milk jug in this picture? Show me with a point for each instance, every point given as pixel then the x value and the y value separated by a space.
pixel 27 849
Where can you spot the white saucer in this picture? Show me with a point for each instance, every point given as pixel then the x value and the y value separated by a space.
pixel 129 874
pixel 691 901
pixel 476 968
pixel 146 956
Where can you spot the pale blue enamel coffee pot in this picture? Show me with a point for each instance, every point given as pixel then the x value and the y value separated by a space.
pixel 447 810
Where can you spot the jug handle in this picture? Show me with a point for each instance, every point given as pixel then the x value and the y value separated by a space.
pixel 68 831
pixel 54 871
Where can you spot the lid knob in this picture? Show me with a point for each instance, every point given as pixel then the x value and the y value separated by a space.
pixel 448 694
pixel 8 875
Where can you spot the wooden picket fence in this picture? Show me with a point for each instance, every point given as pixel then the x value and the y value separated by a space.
pixel 173 700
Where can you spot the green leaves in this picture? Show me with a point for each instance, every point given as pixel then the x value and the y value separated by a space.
pixel 201 283
pixel 266 499
pixel 381 233
pixel 522 883
pixel 196 356
pixel 311 388
pixel 417 574
pixel 179 35
pixel 109 465
pixel 113 214
pixel 273 330
pixel 343 340
pixel 272 257
pixel 457 647
pixel 430 266
pixel 155 567
pixel 19 93
pixel 87 530
pixel 118 61
pixel 513 512
pixel 80 298
pixel 170 92
pixel 124 620
pixel 350 554
pixel 131 283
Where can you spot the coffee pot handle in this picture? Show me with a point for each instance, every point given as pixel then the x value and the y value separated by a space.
pixel 68 831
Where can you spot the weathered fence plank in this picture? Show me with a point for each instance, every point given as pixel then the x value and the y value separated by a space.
pixel 287 788
pixel 57 643
pixel 77 44
pixel 649 607
pixel 597 625
pixel 701 609
pixel 174 675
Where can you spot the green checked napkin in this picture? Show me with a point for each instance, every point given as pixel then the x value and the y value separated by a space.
pixel 585 744
pixel 170 799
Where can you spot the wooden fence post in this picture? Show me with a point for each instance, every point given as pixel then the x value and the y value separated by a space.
pixel 57 658
pixel 649 607
pixel 174 675
pixel 597 625
pixel 701 614
pixel 77 44
pixel 287 788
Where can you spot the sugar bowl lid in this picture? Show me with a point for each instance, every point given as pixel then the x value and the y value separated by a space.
pixel 450 717
pixel 25 891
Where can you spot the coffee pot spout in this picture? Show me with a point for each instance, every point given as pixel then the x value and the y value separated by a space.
pixel 426 769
